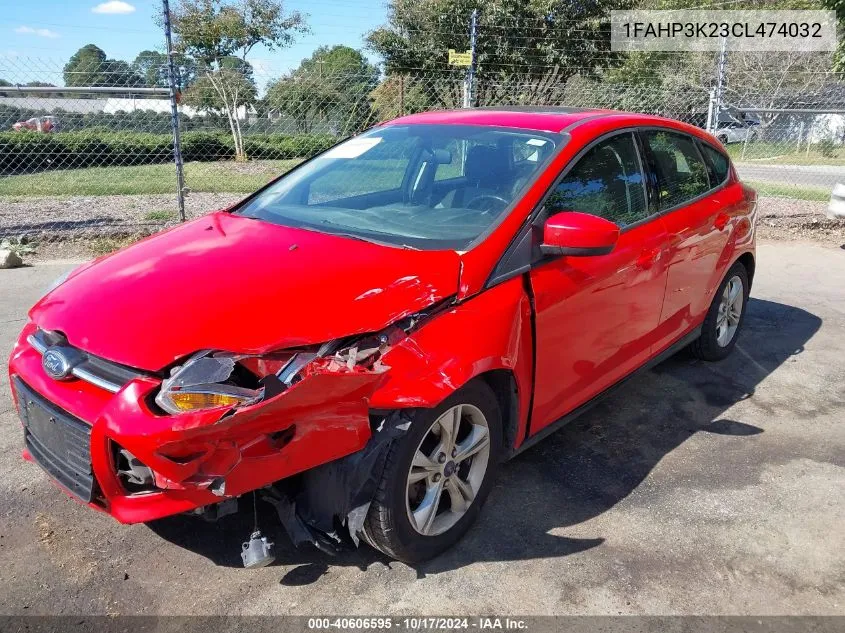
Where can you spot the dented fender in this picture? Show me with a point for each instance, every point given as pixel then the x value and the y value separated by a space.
pixel 490 331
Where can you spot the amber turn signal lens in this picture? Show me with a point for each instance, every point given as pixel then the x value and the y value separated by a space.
pixel 189 401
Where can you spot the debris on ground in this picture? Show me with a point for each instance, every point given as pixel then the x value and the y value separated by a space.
pixel 10 259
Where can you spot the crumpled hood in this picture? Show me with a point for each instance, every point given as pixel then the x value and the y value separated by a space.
pixel 236 284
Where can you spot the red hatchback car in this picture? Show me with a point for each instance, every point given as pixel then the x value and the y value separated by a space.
pixel 366 338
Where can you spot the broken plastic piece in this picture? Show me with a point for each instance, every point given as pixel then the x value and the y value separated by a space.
pixel 202 371
pixel 298 532
pixel 258 551
pixel 218 487
pixel 133 469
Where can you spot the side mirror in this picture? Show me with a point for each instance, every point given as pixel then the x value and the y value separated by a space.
pixel 578 234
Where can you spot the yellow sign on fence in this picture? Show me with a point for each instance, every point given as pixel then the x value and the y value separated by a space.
pixel 459 59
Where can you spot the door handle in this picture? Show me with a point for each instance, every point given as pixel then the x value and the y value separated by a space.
pixel 721 220
pixel 648 257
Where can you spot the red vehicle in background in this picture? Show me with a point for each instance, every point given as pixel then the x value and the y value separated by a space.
pixel 365 339
pixel 38 124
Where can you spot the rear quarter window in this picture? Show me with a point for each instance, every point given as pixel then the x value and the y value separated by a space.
pixel 718 160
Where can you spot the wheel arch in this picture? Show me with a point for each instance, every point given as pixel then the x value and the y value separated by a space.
pixel 747 260
pixel 503 383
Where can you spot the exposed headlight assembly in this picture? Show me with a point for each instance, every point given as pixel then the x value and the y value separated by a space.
pixel 211 380
pixel 203 382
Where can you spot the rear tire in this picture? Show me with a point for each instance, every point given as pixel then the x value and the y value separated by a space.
pixel 417 466
pixel 725 317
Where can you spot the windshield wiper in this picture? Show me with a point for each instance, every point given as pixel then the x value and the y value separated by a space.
pixel 361 238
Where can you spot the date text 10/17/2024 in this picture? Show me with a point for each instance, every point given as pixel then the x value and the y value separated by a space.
pixel 483 623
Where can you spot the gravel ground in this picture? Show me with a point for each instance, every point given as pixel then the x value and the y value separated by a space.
pixel 788 219
pixel 697 488
pixel 82 226
pixel 60 217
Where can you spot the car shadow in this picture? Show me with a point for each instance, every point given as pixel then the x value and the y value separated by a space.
pixel 573 475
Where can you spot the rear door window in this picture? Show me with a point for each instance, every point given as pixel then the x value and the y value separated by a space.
pixel 681 172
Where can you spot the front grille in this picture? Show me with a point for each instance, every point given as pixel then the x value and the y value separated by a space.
pixel 57 441
pixel 98 371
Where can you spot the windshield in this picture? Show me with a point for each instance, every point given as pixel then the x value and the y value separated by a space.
pixel 421 186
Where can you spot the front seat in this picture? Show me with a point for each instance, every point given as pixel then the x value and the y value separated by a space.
pixel 487 173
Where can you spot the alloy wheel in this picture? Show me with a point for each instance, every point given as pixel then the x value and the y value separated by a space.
pixel 730 311
pixel 448 469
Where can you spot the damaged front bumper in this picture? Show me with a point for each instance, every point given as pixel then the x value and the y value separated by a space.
pixel 328 506
pixel 146 464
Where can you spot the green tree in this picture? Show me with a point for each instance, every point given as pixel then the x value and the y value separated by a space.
pixel 332 85
pixel 239 92
pixel 214 32
pixel 396 96
pixel 525 48
pixel 152 67
pixel 85 67
pixel 33 84
pixel 89 66
pixel 839 7
pixel 119 73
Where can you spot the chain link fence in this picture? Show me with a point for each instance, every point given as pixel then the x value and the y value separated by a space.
pixel 96 165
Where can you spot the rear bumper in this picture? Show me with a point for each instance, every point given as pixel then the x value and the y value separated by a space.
pixel 320 419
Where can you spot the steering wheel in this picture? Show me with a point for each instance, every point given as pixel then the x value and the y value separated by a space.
pixel 478 203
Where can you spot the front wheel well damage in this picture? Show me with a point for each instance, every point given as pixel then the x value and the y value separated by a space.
pixel 333 521
pixel 503 384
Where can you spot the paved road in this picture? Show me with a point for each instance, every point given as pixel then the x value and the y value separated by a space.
pixel 822 176
pixel 698 488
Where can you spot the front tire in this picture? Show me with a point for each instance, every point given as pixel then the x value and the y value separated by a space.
pixel 725 317
pixel 437 476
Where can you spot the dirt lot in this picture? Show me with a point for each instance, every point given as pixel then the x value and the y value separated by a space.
pixel 696 489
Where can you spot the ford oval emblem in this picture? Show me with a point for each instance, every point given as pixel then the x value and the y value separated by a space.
pixel 56 364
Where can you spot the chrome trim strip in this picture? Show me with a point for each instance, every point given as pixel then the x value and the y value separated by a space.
pixel 36 344
pixel 87 376
pixel 82 374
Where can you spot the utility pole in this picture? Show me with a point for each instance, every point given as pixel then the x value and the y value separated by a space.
pixel 711 102
pixel 720 85
pixel 469 85
pixel 174 114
